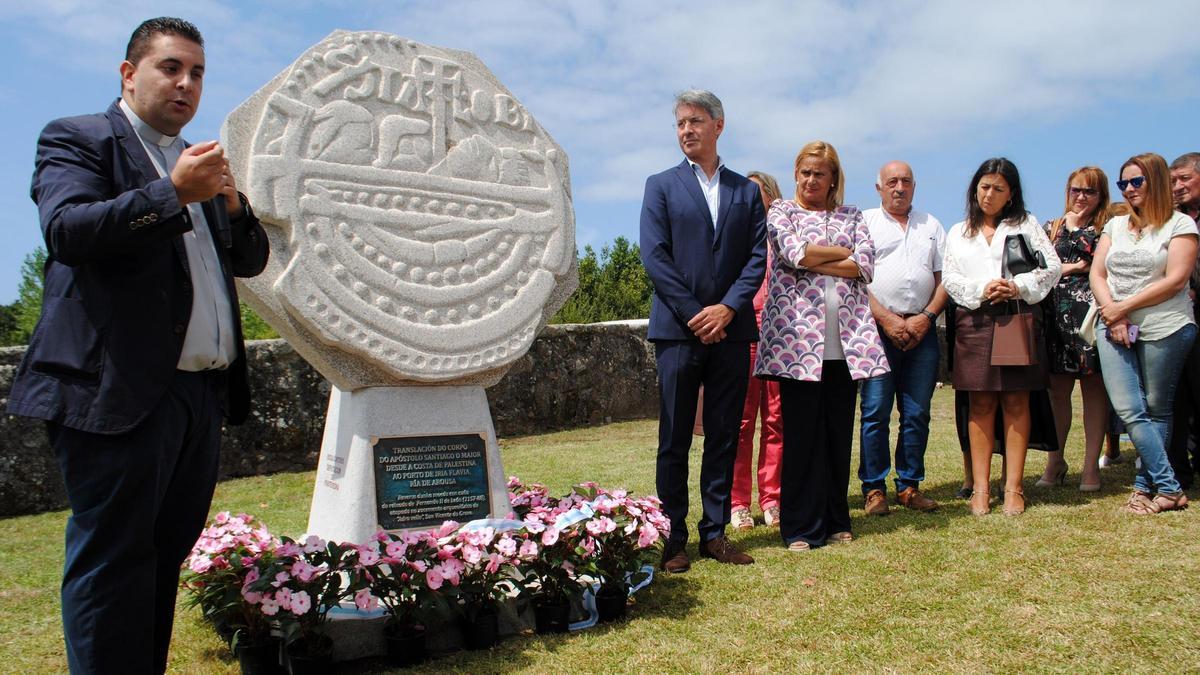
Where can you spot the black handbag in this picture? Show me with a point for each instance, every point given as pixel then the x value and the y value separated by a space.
pixel 1019 256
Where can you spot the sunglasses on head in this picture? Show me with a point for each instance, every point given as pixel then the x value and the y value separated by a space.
pixel 1085 191
pixel 1137 182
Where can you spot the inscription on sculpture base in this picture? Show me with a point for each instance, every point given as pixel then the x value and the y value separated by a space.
pixel 441 470
pixel 423 481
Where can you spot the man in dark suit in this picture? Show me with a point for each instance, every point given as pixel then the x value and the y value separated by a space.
pixel 703 237
pixel 139 349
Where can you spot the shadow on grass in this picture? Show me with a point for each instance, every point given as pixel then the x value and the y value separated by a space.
pixel 672 596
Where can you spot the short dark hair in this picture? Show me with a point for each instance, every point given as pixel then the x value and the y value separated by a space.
pixel 1016 204
pixel 139 42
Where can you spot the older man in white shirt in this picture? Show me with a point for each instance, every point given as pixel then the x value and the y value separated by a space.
pixel 906 297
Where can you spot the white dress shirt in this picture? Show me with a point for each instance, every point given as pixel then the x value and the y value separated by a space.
pixel 905 259
pixel 971 262
pixel 208 343
pixel 711 187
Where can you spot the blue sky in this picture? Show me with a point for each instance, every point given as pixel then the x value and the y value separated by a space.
pixel 944 85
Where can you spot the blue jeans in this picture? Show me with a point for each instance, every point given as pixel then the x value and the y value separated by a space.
pixel 1141 383
pixel 911 383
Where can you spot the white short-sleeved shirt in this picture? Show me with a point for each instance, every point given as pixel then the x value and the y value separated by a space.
pixel 905 259
pixel 1134 264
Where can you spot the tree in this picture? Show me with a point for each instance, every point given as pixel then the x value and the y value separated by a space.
pixel 28 306
pixel 253 326
pixel 612 286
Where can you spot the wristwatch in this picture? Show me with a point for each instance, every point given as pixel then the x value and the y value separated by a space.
pixel 930 315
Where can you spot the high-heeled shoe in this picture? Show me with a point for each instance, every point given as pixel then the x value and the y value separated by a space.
pixel 1012 510
pixel 987 503
pixel 1089 487
pixel 1060 478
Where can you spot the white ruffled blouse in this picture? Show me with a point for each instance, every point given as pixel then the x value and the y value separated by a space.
pixel 971 262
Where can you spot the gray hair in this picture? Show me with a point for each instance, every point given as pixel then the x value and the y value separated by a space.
pixel 879 174
pixel 1185 160
pixel 701 98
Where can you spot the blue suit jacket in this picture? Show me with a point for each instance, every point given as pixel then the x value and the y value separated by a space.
pixel 117 296
pixel 691 264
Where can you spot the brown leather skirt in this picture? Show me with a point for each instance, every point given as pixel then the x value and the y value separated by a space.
pixel 973 370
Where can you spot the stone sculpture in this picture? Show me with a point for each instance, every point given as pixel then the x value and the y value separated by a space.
pixel 421 235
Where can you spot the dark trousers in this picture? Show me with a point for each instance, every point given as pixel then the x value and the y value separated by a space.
pixel 818 428
pixel 138 502
pixel 723 368
pixel 1186 421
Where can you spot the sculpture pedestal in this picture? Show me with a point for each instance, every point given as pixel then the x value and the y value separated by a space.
pixel 406 458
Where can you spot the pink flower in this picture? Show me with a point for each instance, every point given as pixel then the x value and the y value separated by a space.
pixel 433 577
pixel 269 606
pixel 303 571
pixel 419 565
pixel 529 549
pixel 251 576
pixel 533 525
pixel 494 563
pixel 288 550
pixel 647 536
pixel 200 565
pixel 396 549
pixel 221 518
pixel 301 603
pixel 601 525
pixel 368 554
pixel 281 579
pixel 507 546
pixel 365 601
pixel 284 597
pixel 313 543
pixel 471 554
pixel 549 537
pixel 252 597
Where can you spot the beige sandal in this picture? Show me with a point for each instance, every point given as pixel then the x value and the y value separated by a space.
pixel 1140 503
pixel 987 503
pixel 1010 512
pixel 799 546
pixel 1166 502
pixel 840 538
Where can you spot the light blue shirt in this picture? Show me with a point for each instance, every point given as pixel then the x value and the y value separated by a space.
pixel 711 187
pixel 208 343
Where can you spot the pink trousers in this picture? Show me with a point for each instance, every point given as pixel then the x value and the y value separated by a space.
pixel 762 399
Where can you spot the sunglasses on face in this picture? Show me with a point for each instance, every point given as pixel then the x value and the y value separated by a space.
pixel 1137 182
pixel 1084 191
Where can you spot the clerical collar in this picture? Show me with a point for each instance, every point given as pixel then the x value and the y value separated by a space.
pixel 144 131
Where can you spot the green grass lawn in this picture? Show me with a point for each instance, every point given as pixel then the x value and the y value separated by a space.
pixel 1072 585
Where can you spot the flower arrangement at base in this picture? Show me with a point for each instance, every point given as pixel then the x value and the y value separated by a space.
pixel 303 582
pixel 230 551
pixel 395 570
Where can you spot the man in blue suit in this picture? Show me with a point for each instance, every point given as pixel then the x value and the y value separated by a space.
pixel 138 353
pixel 703 242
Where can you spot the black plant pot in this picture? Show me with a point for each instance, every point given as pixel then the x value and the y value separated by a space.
pixel 482 631
pixel 405 644
pixel 611 601
pixel 313 656
pixel 260 658
pixel 551 615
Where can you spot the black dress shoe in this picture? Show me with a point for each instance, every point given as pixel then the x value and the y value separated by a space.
pixel 674 559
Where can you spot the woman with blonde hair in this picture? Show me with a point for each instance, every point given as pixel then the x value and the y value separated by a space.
pixel 1073 358
pixel 1140 279
pixel 762 401
pixel 818 338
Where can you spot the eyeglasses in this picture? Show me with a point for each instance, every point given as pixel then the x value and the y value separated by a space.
pixel 1086 192
pixel 1137 182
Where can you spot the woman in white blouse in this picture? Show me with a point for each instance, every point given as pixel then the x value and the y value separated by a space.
pixel 975 277
pixel 1140 279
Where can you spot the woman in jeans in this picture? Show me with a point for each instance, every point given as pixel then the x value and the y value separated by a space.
pixel 1073 358
pixel 1140 279
pixel 818 339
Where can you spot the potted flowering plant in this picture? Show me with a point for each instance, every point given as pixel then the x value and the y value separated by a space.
pixel 304 581
pixel 229 555
pixel 480 576
pixel 627 532
pixel 400 579
pixel 554 549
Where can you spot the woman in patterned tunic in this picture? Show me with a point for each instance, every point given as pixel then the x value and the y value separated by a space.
pixel 1071 357
pixel 817 338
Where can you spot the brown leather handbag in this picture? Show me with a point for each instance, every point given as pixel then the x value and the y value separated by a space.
pixel 1013 339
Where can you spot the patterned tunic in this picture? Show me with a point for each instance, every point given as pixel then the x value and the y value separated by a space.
pixel 793 321
pixel 1068 304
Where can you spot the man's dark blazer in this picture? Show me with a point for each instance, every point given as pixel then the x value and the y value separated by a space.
pixel 691 265
pixel 118 294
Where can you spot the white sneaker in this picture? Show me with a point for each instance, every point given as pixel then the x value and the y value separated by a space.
pixel 741 519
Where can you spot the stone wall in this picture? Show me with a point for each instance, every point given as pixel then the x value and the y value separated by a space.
pixel 573 375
